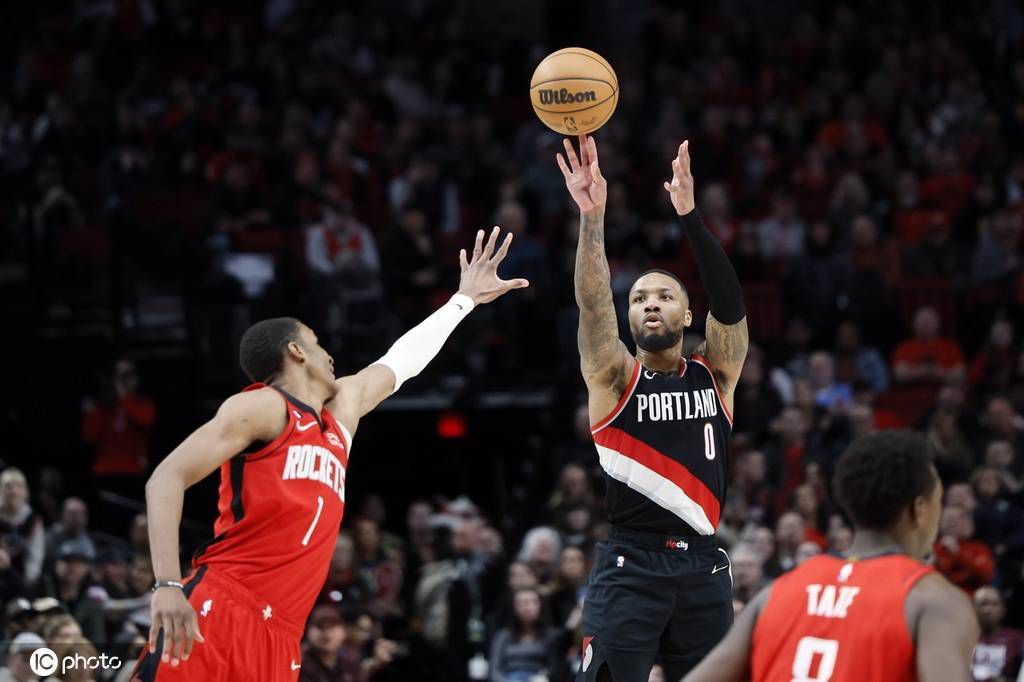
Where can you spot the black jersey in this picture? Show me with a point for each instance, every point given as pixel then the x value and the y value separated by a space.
pixel 665 449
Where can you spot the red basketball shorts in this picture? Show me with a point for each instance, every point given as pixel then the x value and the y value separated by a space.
pixel 245 640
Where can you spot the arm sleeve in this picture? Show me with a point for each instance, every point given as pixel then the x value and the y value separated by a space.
pixel 716 271
pixel 418 346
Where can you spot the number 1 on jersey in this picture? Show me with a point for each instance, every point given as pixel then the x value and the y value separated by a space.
pixel 316 517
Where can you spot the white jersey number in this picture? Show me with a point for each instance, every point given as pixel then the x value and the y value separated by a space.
pixel 809 649
pixel 316 517
pixel 709 441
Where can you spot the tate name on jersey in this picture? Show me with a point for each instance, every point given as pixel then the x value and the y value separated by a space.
pixel 676 405
pixel 314 463
pixel 830 601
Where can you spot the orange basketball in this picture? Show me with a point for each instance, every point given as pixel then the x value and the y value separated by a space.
pixel 574 91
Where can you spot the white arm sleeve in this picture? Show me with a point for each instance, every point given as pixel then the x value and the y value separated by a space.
pixel 418 346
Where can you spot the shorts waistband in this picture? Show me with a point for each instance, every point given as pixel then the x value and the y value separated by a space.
pixel 666 543
pixel 240 594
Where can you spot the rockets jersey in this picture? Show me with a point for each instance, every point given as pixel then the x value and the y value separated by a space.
pixel 838 620
pixel 280 509
pixel 665 450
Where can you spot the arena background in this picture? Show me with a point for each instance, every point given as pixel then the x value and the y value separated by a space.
pixel 174 171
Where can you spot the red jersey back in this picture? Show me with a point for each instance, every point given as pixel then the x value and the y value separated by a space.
pixel 280 510
pixel 833 620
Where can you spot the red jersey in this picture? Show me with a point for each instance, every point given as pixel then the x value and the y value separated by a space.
pixel 280 510
pixel 833 620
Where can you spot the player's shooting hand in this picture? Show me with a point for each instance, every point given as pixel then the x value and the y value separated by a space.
pixel 479 278
pixel 171 612
pixel 680 190
pixel 583 176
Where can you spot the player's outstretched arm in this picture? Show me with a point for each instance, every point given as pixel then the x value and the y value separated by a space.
pixel 479 283
pixel 604 359
pixel 726 332
pixel 946 631
pixel 729 661
pixel 241 420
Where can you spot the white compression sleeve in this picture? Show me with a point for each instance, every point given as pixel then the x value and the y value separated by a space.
pixel 418 346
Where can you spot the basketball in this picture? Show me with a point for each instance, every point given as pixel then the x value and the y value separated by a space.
pixel 574 91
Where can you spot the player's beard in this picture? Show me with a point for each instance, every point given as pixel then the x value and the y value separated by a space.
pixel 657 342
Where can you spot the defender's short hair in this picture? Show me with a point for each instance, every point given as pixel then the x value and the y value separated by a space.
pixel 659 271
pixel 261 351
pixel 881 474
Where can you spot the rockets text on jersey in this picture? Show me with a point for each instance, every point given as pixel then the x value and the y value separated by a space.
pixel 834 620
pixel 665 450
pixel 280 508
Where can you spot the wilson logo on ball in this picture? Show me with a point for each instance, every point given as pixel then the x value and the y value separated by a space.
pixel 563 96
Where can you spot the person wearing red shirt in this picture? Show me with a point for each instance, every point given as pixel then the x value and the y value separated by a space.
pixel 120 431
pixel 880 612
pixel 967 563
pixel 927 356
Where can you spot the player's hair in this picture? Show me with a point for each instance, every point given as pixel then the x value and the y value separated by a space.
pixel 659 271
pixel 881 474
pixel 261 351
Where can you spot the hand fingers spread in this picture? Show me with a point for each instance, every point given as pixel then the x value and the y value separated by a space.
pixel 478 246
pixel 561 164
pixel 489 249
pixel 518 283
pixel 168 624
pixel 503 251
pixel 570 154
pixel 154 630
pixel 584 156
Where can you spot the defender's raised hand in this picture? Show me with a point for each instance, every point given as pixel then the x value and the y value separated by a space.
pixel 680 190
pixel 583 176
pixel 479 278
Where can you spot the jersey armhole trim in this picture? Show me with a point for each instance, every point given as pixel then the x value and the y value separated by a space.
pixel 282 437
pixel 621 405
pixel 703 362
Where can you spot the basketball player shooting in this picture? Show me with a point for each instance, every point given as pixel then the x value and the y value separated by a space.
pixel 879 614
pixel 660 586
pixel 282 447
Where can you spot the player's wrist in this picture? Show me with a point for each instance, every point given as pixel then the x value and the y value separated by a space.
pixel 463 301
pixel 161 584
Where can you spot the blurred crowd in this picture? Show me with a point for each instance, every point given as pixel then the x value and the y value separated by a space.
pixel 861 164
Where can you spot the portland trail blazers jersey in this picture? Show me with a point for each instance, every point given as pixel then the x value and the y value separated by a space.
pixel 280 510
pixel 665 450
pixel 838 620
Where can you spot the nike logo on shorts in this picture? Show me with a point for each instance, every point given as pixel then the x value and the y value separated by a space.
pixel 716 569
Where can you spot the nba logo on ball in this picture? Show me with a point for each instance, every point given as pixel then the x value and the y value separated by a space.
pixel 43 661
pixel 574 91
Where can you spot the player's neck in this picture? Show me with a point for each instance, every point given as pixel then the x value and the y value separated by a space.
pixel 664 361
pixel 869 543
pixel 303 391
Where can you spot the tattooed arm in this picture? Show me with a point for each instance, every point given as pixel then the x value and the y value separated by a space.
pixel 604 359
pixel 726 337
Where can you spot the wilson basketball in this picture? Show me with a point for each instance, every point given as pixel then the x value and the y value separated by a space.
pixel 574 91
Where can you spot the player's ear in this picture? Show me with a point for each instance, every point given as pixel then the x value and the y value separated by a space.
pixel 296 352
pixel 688 318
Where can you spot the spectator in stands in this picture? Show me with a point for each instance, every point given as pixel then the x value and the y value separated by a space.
pixel 60 628
pixel 756 401
pixel 867 363
pixel 342 251
pixel 828 393
pixel 76 649
pixel 747 574
pixel 806 504
pixel 70 584
pixel 997 253
pixel 991 369
pixel 22 537
pixel 935 256
pixel 998 521
pixel 787 454
pixel 806 550
pixel 17 668
pixel 411 266
pixel 789 533
pixel 118 426
pixel 383 570
pixel 751 483
pixel 526 646
pixel 999 651
pixel 999 456
pixel 346 580
pixel 817 279
pixel 781 234
pixel 967 563
pixel 927 357
pixel 569 586
pixel 1001 422
pixel 573 490
pixel 362 635
pixel 540 549
pixel 954 457
pixel 325 658
pixel 73 525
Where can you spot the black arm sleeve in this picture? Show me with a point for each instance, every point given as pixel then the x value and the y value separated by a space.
pixel 717 273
